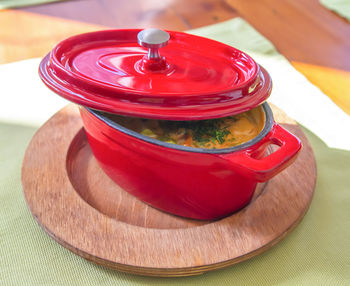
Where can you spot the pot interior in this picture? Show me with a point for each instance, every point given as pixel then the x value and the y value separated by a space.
pixel 212 127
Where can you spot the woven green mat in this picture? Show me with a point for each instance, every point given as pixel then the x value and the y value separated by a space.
pixel 5 4
pixel 342 7
pixel 317 252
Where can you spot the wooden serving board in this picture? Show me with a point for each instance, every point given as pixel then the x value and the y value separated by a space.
pixel 82 209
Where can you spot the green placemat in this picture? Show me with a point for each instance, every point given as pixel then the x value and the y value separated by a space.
pixel 317 252
pixel 5 4
pixel 342 7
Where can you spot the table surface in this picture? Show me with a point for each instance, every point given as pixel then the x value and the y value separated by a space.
pixel 315 40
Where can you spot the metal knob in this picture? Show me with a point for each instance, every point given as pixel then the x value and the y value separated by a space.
pixel 153 39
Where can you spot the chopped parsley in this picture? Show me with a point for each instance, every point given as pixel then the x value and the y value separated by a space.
pixel 202 131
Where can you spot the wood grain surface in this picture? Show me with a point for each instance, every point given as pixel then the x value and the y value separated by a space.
pixel 302 30
pixel 82 209
pixel 30 36
pixel 313 38
pixel 167 14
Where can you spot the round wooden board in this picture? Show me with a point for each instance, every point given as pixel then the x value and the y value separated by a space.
pixel 82 209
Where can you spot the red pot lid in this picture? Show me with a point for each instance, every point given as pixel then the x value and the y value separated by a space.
pixel 147 74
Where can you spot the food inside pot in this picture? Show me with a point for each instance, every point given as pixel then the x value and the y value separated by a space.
pixel 211 134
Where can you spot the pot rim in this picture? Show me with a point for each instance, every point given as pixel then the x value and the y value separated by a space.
pixel 269 121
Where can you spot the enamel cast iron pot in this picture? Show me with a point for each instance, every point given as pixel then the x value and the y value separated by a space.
pixel 189 78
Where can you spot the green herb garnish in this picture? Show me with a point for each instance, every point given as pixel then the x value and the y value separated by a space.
pixel 203 131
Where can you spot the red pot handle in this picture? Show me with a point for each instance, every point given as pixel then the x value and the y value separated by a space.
pixel 263 169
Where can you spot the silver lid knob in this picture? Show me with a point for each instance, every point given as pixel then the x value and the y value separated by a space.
pixel 153 39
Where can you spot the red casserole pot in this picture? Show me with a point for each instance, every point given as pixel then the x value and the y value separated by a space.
pixel 107 71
